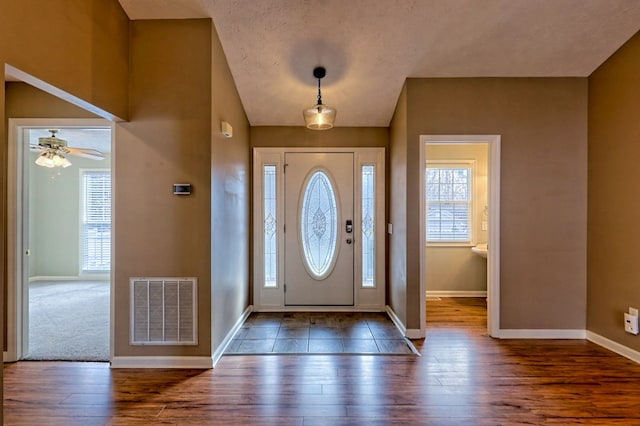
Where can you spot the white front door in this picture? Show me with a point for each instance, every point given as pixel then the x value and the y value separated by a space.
pixel 319 229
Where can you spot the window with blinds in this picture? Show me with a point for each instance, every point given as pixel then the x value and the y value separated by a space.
pixel 449 203
pixel 96 221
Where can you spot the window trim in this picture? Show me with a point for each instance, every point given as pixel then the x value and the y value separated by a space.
pixel 453 164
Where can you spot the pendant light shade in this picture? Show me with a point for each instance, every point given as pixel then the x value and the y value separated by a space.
pixel 319 116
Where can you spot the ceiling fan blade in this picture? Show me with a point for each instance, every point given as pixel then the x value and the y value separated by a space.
pixel 37 148
pixel 86 153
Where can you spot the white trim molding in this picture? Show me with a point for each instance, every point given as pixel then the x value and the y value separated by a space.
pixel 193 362
pixel 409 333
pixel 456 293
pixel 414 333
pixel 86 277
pixel 271 298
pixel 398 323
pixel 217 354
pixel 493 235
pixel 616 347
pixel 17 220
pixel 541 334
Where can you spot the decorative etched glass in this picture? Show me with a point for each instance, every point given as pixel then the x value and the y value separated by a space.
pixel 368 227
pixel 319 225
pixel 270 227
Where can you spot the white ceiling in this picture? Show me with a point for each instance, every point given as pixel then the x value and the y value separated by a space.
pixel 370 47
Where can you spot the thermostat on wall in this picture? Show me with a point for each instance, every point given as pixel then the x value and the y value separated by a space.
pixel 182 188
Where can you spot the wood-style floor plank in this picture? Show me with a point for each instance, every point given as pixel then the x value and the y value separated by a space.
pixel 462 377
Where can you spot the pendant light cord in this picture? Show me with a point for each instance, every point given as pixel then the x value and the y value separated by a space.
pixel 319 94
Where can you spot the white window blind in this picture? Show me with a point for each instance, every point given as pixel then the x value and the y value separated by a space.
pixel 449 203
pixel 96 221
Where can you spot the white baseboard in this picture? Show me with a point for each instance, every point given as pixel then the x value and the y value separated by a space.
pixel 463 293
pixel 96 277
pixel 217 354
pixel 540 334
pixel 410 333
pixel 399 325
pixel 414 333
pixel 195 362
pixel 616 347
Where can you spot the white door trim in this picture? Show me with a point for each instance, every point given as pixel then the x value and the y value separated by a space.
pixel 17 184
pixel 272 298
pixel 493 236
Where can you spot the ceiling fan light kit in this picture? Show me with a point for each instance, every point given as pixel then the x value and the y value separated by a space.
pixel 51 160
pixel 319 116
pixel 54 150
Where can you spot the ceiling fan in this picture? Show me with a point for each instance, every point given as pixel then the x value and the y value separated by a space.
pixel 54 150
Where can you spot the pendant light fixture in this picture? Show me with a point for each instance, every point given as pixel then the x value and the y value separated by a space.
pixel 319 116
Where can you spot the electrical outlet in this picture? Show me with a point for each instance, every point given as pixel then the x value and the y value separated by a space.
pixel 631 323
pixel 633 311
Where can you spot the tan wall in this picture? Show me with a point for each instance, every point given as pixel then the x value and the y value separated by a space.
pixel 79 46
pixel 167 141
pixel 25 101
pixel 543 124
pixel 230 165
pixel 281 136
pixel 397 264
pixel 455 267
pixel 613 230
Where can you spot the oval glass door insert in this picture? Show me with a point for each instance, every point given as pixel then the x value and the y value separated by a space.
pixel 319 225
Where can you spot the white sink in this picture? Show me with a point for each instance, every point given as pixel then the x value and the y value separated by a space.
pixel 480 250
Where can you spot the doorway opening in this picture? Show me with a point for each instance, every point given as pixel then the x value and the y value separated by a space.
pixel 460 207
pixel 59 223
pixel 319 229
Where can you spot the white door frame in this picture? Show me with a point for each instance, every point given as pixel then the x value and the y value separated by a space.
pixel 272 298
pixel 493 235
pixel 17 225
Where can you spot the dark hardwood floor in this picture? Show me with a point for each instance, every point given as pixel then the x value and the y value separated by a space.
pixel 462 378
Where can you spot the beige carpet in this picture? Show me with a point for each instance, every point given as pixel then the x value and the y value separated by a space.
pixel 68 321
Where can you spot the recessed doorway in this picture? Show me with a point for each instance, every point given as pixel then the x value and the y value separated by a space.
pixel 319 229
pixel 470 218
pixel 59 223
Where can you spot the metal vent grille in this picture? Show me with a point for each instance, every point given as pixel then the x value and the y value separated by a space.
pixel 164 311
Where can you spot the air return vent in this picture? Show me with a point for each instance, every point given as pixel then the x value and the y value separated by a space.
pixel 164 311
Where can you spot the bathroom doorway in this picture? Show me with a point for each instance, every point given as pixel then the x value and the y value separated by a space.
pixel 460 220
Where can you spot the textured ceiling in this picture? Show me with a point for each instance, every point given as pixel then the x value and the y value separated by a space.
pixel 370 47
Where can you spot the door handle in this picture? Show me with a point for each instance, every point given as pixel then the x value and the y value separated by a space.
pixel 349 240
